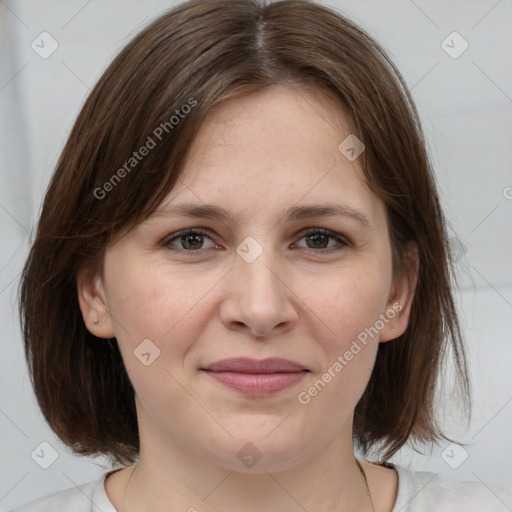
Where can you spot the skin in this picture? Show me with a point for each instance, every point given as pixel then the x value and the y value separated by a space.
pixel 254 156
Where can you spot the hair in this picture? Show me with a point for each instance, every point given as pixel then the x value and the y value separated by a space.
pixel 166 79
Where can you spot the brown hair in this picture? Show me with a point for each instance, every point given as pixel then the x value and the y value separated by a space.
pixel 199 54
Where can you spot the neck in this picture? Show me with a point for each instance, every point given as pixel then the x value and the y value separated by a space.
pixel 178 478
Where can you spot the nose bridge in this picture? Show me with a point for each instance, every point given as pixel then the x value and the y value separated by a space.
pixel 259 298
pixel 254 266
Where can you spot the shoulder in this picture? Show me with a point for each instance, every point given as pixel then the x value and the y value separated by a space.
pixel 422 491
pixel 88 497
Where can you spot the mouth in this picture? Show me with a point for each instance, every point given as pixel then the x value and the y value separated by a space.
pixel 256 377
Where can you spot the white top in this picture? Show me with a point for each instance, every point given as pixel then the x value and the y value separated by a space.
pixel 418 491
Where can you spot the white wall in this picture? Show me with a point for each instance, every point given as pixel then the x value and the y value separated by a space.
pixel 466 106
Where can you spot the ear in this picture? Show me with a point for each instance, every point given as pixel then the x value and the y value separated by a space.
pixel 401 295
pixel 93 304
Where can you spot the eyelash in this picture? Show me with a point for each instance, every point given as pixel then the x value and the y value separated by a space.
pixel 204 233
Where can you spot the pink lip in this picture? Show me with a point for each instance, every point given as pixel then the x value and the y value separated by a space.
pixel 248 365
pixel 256 377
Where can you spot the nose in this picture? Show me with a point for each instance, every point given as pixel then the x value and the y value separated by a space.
pixel 258 300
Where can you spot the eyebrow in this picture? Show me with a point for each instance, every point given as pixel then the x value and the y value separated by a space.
pixel 294 213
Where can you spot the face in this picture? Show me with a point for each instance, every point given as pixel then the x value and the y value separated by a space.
pixel 259 283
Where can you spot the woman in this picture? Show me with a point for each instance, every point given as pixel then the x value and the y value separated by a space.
pixel 241 273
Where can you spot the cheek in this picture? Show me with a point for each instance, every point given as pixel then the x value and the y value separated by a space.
pixel 345 327
pixel 348 304
pixel 157 316
pixel 156 319
pixel 151 298
pixel 348 359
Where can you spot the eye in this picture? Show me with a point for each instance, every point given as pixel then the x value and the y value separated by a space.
pixel 192 240
pixel 317 238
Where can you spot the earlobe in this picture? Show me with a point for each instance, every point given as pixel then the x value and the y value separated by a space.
pixel 400 300
pixel 93 304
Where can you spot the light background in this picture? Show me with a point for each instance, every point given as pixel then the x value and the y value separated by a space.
pixel 466 107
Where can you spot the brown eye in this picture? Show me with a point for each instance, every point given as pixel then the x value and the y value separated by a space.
pixel 318 240
pixel 191 240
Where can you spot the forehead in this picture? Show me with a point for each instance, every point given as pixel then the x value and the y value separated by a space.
pixel 281 120
pixel 270 150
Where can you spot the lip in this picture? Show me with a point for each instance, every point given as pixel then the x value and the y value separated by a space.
pixel 257 377
pixel 248 365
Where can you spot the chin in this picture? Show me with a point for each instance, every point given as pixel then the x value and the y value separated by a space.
pixel 258 449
